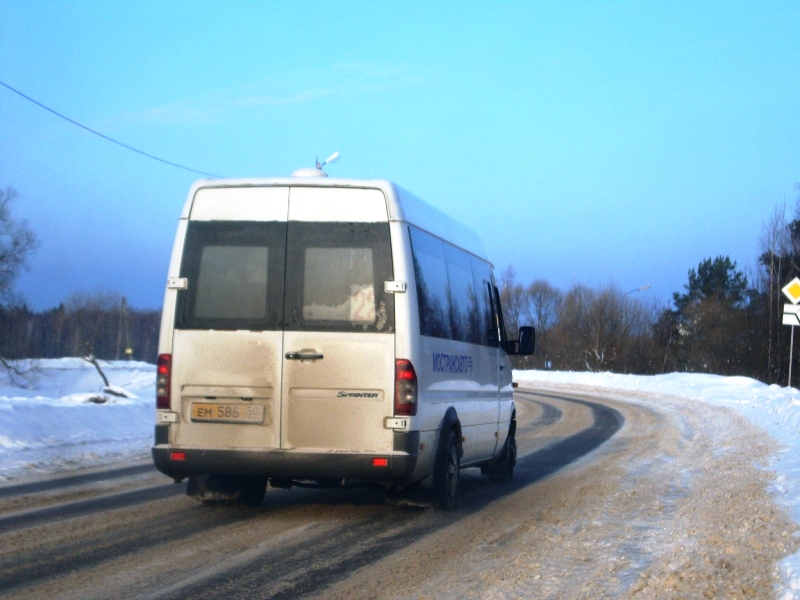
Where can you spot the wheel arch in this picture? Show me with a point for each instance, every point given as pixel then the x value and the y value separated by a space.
pixel 450 422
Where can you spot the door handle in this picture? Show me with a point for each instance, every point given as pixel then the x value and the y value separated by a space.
pixel 303 356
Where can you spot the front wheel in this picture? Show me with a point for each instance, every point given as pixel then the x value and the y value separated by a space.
pixel 446 474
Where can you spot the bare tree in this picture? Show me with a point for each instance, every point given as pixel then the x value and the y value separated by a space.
pixel 774 247
pixel 542 303
pixel 512 298
pixel 605 330
pixel 572 338
pixel 17 241
pixel 602 330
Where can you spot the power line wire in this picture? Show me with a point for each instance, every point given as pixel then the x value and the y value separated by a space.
pixel 105 137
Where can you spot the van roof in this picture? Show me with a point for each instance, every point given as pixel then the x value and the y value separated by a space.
pixel 402 205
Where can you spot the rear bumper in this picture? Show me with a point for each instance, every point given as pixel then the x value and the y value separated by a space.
pixel 293 464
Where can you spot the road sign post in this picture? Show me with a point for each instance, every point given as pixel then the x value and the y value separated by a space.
pixel 791 315
pixel 791 348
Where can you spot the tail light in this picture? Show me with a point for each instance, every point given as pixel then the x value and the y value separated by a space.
pixel 405 388
pixel 163 372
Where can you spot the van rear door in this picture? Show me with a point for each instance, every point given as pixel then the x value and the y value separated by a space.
pixel 338 359
pixel 284 335
pixel 228 338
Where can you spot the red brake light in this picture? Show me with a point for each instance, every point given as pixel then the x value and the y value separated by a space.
pixel 177 455
pixel 380 462
pixel 405 388
pixel 163 372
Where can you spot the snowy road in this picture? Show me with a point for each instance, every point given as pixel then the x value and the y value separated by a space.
pixel 610 499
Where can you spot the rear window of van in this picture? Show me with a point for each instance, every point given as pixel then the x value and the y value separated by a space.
pixel 277 275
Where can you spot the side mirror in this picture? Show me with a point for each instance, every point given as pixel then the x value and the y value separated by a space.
pixel 527 340
pixel 525 344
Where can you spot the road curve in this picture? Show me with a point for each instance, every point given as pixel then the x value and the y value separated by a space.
pixel 312 538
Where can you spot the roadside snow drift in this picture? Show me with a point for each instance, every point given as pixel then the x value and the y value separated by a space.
pixel 54 414
pixel 776 409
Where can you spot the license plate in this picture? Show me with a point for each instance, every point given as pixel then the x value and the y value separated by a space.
pixel 226 413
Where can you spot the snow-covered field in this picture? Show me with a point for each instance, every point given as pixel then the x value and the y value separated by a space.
pixel 54 416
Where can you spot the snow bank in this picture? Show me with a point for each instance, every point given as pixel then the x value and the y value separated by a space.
pixel 54 414
pixel 776 409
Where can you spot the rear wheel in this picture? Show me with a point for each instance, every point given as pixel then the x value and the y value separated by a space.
pixel 213 489
pixel 253 491
pixel 503 469
pixel 414 495
pixel 446 474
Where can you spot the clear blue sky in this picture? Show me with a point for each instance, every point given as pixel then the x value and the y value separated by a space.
pixel 586 142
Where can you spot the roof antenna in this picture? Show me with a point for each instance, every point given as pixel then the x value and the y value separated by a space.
pixel 330 160
pixel 317 170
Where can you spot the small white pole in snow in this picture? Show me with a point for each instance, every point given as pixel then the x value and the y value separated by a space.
pixel 791 348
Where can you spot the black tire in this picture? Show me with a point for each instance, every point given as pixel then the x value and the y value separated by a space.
pixel 503 470
pixel 213 489
pixel 411 496
pixel 446 474
pixel 253 491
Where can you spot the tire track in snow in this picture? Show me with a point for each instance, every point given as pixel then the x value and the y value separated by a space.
pixel 70 510
pixel 48 485
pixel 309 567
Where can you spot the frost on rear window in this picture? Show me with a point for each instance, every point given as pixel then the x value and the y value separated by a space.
pixel 234 272
pixel 232 282
pixel 338 285
pixel 335 274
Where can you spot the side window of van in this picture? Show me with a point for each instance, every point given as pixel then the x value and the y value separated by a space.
pixel 482 277
pixel 501 325
pixel 235 276
pixel 334 277
pixel 461 295
pixel 452 292
pixel 463 300
pixel 433 288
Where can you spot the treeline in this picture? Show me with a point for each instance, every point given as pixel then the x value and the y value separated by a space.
pixel 582 329
pixel 101 324
pixel 720 323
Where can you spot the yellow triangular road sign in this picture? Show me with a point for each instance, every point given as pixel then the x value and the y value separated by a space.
pixel 792 290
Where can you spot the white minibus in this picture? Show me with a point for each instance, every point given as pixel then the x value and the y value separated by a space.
pixel 321 331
